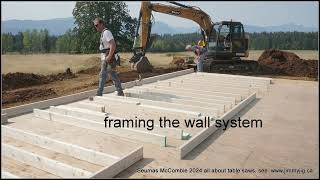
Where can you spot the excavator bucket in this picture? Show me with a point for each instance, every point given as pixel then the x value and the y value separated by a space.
pixel 141 64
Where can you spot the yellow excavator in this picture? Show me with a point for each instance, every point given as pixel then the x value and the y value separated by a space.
pixel 225 41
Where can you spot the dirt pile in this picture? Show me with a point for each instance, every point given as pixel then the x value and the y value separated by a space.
pixel 91 70
pixel 177 62
pixel 26 94
pixel 20 80
pixel 278 62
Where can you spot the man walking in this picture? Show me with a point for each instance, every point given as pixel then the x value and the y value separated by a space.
pixel 200 53
pixel 108 60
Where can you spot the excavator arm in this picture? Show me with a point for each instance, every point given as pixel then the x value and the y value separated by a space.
pixel 192 13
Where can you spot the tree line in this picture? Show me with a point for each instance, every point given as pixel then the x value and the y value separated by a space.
pixel 257 41
pixel 84 38
pixel 40 41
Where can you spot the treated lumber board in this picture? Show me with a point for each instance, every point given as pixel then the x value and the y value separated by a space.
pixel 97 116
pixel 120 165
pixel 202 135
pixel 236 95
pixel 7 175
pixel 61 147
pixel 188 107
pixel 97 126
pixel 168 93
pixel 43 163
pixel 147 106
pixel 182 100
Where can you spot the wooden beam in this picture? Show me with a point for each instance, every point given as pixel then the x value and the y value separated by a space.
pixel 236 95
pixel 187 95
pixel 202 135
pixel 99 126
pixel 148 107
pixel 269 80
pixel 242 91
pixel 52 166
pixel 75 151
pixel 182 100
pixel 136 95
pixel 7 175
pixel 223 80
pixel 120 165
pixel 97 116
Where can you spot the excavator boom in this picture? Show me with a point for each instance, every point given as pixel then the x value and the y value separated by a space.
pixel 224 40
pixel 139 61
pixel 187 12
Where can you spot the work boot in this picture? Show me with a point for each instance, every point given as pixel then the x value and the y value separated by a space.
pixel 120 93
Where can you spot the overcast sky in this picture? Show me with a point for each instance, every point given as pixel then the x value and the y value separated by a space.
pixel 250 13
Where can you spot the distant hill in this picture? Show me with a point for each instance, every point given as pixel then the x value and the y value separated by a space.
pixel 60 25
pixel 290 27
pixel 55 26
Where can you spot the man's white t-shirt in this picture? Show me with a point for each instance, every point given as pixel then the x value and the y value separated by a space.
pixel 106 38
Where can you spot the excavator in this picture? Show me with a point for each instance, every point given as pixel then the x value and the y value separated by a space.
pixel 226 41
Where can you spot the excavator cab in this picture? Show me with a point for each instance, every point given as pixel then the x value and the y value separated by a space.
pixel 228 41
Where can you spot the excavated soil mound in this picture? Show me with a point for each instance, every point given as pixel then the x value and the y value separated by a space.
pixel 177 62
pixel 278 62
pixel 20 80
pixel 21 95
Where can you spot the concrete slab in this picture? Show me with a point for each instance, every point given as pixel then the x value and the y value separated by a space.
pixel 226 151
pixel 283 142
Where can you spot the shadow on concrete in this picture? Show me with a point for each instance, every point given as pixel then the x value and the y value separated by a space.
pixel 214 136
pixel 166 97
pixel 7 123
pixel 133 168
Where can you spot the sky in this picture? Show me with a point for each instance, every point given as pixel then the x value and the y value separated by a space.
pixel 269 13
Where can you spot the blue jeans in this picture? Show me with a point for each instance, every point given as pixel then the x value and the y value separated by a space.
pixel 200 63
pixel 106 69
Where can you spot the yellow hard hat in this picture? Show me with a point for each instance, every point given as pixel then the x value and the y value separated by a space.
pixel 201 43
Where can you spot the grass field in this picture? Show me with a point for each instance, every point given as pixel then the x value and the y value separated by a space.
pixel 54 63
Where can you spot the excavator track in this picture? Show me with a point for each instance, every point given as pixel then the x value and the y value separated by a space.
pixel 230 65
